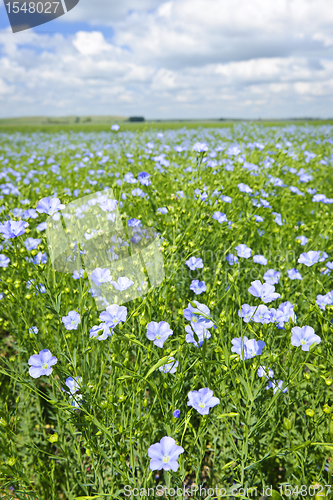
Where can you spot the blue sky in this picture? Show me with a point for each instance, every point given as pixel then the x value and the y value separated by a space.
pixel 173 59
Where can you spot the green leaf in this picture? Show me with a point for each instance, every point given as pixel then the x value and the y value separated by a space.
pixel 161 362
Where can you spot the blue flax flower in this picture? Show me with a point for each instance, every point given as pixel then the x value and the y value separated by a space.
pixel 198 287
pixel 220 217
pixel 322 301
pixel 250 347
pixel 276 385
pixel 41 364
pixel 246 312
pixel 164 455
pixel 260 259
pixel 158 332
pixel 302 240
pixel 73 384
pixel 71 321
pixel 100 276
pixel 226 199
pixel 32 243
pixel 134 223
pixel 258 218
pixel 13 229
pixel 170 366
pixel 106 332
pixel 122 283
pixel 77 275
pixel 244 188
pixel 176 413
pixel 278 219
pixel 265 291
pixel 49 206
pixel 283 313
pixel 200 334
pixel 272 277
pixel 194 263
pixel 162 210
pixel 113 315
pixel 144 179
pixel 311 258
pixel 294 274
pixel 202 400
pixel 4 261
pixel 262 315
pixel 41 227
pixel 198 322
pixel 232 259
pixel 243 251
pixel 304 337
pixel 265 372
pixel 200 147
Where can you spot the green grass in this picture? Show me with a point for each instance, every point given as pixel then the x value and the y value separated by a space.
pixel 102 124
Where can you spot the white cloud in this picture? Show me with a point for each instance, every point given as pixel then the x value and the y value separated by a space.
pixel 180 58
pixel 90 44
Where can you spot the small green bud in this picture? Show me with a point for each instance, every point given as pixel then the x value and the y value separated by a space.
pixel 327 409
pixel 53 438
pixel 288 423
pixel 309 412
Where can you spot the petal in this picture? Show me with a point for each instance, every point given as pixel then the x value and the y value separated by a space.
pixel 175 452
pixel 52 361
pixel 35 371
pixel 155 451
pixel 173 465
pixel 167 443
pixel 35 360
pixel 213 402
pixel 156 464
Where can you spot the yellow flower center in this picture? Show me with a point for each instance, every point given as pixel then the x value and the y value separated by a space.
pixel 202 405
pixel 44 366
pixel 166 459
pixel 158 336
pixel 303 342
pixel 194 319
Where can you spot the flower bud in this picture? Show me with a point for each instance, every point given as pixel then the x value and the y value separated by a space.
pixel 288 423
pixel 327 409
pixel 53 438
pixel 309 412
